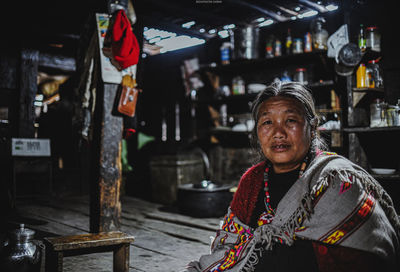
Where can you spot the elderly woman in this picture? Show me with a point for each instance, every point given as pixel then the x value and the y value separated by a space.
pixel 301 207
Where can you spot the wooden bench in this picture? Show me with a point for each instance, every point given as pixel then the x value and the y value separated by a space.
pixel 65 246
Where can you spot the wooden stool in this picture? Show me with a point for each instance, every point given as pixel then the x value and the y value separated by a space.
pixel 65 246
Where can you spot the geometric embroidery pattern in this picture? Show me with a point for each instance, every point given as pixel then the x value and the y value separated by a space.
pixel 236 251
pixel 352 222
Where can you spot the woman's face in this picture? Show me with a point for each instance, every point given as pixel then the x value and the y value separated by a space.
pixel 283 132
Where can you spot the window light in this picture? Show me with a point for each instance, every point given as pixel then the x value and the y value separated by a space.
pixel 309 13
pixel 169 41
pixel 223 34
pixel 188 24
pixel 178 42
pixel 331 7
pixel 231 26
pixel 266 23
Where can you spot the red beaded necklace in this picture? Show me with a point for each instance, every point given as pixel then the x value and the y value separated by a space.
pixel 267 216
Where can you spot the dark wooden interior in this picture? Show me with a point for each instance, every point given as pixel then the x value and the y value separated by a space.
pixel 83 186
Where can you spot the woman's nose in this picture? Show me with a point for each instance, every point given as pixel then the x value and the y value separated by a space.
pixel 279 132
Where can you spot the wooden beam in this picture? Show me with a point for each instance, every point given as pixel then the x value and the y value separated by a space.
pixel 105 203
pixel 58 62
pixel 28 90
pixel 260 9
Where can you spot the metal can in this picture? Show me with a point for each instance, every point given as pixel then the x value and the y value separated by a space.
pixel 297 46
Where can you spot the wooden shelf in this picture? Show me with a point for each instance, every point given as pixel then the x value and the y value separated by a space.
pixel 374 129
pixel 379 90
pixel 236 65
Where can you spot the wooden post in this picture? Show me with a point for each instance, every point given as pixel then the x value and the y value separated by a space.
pixel 28 89
pixel 105 204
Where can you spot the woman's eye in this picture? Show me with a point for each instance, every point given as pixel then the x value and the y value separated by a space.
pixel 267 122
pixel 291 121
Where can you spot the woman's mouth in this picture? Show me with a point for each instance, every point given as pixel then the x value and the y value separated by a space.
pixel 280 147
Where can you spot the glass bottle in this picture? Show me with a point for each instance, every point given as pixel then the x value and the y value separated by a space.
pixel 278 48
pixel 361 39
pixel 269 50
pixel 288 44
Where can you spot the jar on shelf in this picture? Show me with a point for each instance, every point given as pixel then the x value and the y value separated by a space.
pixel 392 115
pixel 301 76
pixel 375 69
pixel 238 86
pixel 320 35
pixel 297 46
pixel 373 39
pixel 369 76
pixel 378 113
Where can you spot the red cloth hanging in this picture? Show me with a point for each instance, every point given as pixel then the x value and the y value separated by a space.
pixel 124 45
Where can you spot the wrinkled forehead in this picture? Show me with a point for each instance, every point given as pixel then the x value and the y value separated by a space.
pixel 280 104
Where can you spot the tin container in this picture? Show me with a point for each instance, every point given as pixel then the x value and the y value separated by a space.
pixel 245 43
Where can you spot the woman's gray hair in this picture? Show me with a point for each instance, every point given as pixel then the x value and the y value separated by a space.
pixel 294 90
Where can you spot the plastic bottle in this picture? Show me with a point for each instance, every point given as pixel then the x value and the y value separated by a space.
pixel 307 42
pixel 225 53
pixel 360 76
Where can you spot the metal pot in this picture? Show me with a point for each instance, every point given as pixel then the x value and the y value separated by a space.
pixel 204 199
pixel 21 253
pixel 349 57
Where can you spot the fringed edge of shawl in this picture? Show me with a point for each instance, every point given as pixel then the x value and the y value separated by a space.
pixel 270 233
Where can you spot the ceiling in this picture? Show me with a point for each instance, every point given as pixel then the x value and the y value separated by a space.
pixel 53 24
pixel 215 14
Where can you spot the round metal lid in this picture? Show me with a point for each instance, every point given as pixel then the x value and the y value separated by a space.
pixel 22 234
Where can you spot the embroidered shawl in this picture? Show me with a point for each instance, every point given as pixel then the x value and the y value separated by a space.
pixel 335 202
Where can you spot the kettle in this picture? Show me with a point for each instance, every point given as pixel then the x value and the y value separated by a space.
pixel 21 253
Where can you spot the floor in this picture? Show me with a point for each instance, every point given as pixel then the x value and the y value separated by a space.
pixel 165 241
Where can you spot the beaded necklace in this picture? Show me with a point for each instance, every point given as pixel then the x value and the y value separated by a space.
pixel 267 216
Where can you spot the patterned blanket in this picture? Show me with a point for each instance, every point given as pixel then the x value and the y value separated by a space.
pixel 335 202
